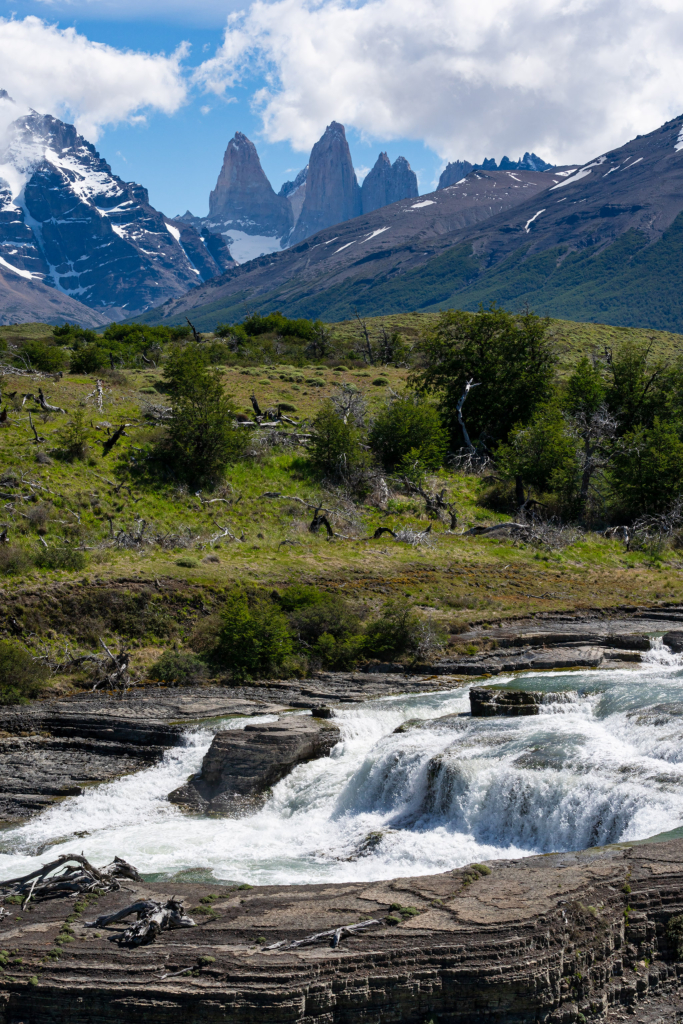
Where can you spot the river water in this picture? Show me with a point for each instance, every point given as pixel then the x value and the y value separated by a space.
pixel 602 762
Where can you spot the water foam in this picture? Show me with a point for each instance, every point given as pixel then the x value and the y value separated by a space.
pixel 601 762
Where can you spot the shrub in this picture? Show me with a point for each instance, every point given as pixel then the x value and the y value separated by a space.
pixel 61 558
pixel 254 638
pixel 90 358
pixel 201 437
pixel 335 449
pixel 44 356
pixel 396 631
pixel 73 438
pixel 327 627
pixel 20 676
pixel 647 470
pixel 14 560
pixel 178 668
pixel 409 427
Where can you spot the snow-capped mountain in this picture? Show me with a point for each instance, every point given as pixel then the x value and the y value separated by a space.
pixel 67 221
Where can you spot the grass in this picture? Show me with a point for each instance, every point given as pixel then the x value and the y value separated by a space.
pixel 153 596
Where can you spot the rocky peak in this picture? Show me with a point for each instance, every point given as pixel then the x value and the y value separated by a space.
pixel 332 192
pixel 243 199
pixel 72 224
pixel 387 183
pixel 453 173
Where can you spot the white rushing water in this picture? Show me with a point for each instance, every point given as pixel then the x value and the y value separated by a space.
pixel 603 763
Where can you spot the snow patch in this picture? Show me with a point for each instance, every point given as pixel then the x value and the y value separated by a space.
pixel 581 173
pixel 331 240
pixel 15 270
pixel 244 247
pixel 511 175
pixel 118 230
pixel 172 231
pixel 373 234
pixel 679 141
pixel 425 202
pixel 344 246
pixel 629 166
pixel 532 219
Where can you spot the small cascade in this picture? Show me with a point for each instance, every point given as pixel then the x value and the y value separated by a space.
pixel 661 656
pixel 416 785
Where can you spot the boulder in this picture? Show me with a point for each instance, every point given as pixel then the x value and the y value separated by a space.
pixel 242 764
pixel 485 702
pixel 674 640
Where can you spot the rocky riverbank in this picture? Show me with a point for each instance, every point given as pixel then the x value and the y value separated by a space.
pixel 554 939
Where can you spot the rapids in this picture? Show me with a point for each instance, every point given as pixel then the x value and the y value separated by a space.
pixel 602 763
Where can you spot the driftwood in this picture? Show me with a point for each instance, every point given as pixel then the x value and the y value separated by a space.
pixel 67 875
pixel 45 405
pixel 335 934
pixel 152 918
pixel 112 671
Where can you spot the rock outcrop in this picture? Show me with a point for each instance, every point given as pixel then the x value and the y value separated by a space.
pixel 71 224
pixel 556 939
pixel 241 765
pixel 295 192
pixel 388 183
pixel 243 199
pixel 453 173
pixel 332 193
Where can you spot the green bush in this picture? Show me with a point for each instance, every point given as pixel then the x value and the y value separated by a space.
pixel 90 358
pixel 178 668
pixel 409 426
pixel 335 449
pixel 14 560
pixel 201 439
pixel 328 628
pixel 394 632
pixel 254 638
pixel 43 356
pixel 73 437
pixel 647 471
pixel 66 557
pixel 20 676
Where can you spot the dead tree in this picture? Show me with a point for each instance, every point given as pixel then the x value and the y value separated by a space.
pixel 152 919
pixel 255 405
pixel 69 874
pixel 318 521
pixel 45 405
pixel 111 441
pixel 366 348
pixel 195 333
pixel 112 671
pixel 435 503
pixel 461 401
pixel 383 529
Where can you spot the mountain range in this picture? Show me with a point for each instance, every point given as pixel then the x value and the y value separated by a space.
pixel 598 242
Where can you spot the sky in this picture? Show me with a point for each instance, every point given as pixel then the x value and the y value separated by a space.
pixel 160 88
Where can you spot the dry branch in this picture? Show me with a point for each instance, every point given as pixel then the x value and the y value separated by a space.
pixel 336 934
pixel 69 874
pixel 152 918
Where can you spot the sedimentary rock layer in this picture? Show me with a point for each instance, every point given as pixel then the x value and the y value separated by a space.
pixel 552 939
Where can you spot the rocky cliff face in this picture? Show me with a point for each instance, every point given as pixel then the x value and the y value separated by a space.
pixel 453 173
pixel 332 192
pixel 388 183
pixel 243 199
pixel 68 222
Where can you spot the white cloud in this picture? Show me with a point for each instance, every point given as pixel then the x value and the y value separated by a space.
pixel 57 71
pixel 566 78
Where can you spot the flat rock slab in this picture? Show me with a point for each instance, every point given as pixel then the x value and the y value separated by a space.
pixel 241 765
pixel 539 940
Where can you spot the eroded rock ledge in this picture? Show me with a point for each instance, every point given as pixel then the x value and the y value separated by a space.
pixel 551 939
pixel 241 765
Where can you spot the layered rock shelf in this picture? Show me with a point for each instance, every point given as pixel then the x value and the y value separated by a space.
pixel 556 939
pixel 241 765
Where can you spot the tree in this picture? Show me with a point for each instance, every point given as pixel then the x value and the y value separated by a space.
pixel 254 636
pixel 508 355
pixel 594 425
pixel 202 438
pixel 409 426
pixel 543 453
pixel 335 448
pixel 638 387
pixel 647 470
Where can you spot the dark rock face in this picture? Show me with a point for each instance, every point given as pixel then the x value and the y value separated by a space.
pixel 241 765
pixel 454 172
pixel 488 703
pixel 674 640
pixel 243 198
pixel 332 192
pixel 77 227
pixel 537 940
pixel 387 183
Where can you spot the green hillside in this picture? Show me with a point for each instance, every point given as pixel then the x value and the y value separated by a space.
pixel 630 283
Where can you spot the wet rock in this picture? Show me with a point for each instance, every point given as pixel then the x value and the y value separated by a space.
pixel 241 765
pixel 486 702
pixel 674 640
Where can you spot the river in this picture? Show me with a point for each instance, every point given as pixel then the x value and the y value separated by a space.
pixel 602 762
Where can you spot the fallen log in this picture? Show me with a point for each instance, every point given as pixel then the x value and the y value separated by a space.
pixel 336 934
pixel 45 405
pixel 152 918
pixel 69 874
